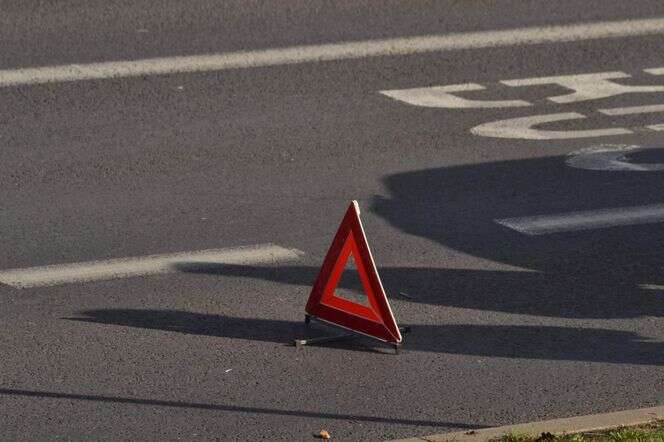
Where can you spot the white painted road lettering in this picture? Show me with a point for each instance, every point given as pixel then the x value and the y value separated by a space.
pixel 58 274
pixel 524 128
pixel 656 127
pixel 632 110
pixel 610 157
pixel 443 97
pixel 655 71
pixel 586 86
pixel 595 219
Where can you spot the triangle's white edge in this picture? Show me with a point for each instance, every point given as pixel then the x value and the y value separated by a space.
pixel 375 269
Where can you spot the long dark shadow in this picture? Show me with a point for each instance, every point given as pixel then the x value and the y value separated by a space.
pixel 458 207
pixel 230 408
pixel 508 341
pixel 602 273
pixel 532 293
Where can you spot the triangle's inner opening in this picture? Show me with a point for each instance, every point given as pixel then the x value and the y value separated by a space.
pixel 350 285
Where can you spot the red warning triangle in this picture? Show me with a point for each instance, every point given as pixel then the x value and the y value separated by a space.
pixel 375 320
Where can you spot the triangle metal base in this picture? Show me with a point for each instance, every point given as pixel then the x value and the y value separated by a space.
pixel 339 337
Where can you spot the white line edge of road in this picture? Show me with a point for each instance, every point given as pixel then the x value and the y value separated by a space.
pixel 59 274
pixel 586 220
pixel 569 425
pixel 333 51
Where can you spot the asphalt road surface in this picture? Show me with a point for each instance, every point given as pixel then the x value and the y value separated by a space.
pixel 520 214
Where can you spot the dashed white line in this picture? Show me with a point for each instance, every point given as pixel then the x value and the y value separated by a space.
pixel 334 51
pixel 58 274
pixel 595 219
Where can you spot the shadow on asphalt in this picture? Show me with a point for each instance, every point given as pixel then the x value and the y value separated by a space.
pixel 532 342
pixel 457 208
pixel 601 274
pixel 533 293
pixel 229 408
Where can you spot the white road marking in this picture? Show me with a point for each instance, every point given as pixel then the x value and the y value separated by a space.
pixel 588 220
pixel 141 266
pixel 651 286
pixel 631 110
pixel 442 97
pixel 586 86
pixel 611 157
pixel 334 51
pixel 523 128
pixel 655 71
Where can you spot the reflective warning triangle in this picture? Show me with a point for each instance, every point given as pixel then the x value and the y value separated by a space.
pixel 375 320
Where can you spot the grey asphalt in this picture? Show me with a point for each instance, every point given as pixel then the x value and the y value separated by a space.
pixel 506 328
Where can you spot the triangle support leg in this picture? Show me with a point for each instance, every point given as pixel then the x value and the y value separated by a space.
pixel 340 337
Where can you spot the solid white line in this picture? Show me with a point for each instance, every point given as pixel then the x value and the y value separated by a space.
pixel 141 266
pixel 334 51
pixel 595 219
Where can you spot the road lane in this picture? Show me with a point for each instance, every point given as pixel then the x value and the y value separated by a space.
pixel 33 33
pixel 506 327
pixel 337 51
